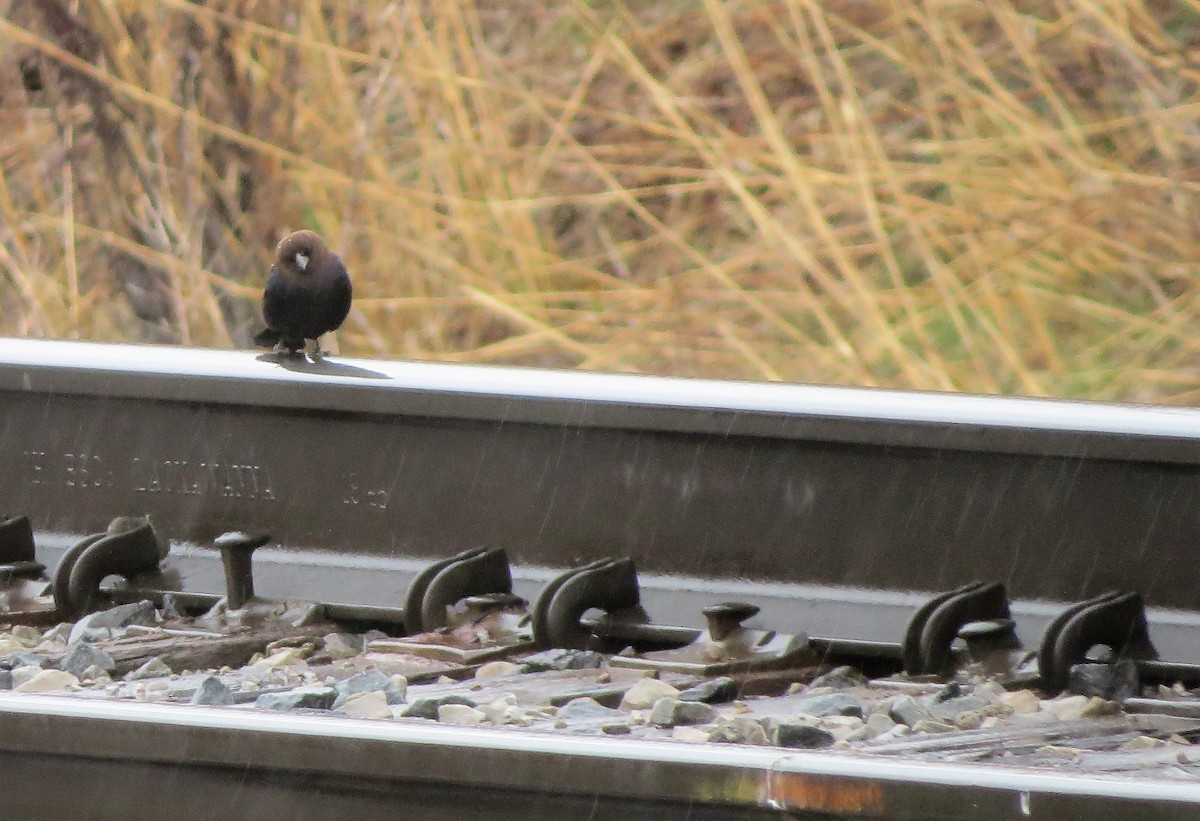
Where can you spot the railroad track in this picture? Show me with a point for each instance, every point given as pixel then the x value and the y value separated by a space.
pixel 923 539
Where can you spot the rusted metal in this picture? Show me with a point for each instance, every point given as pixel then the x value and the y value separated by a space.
pixel 727 646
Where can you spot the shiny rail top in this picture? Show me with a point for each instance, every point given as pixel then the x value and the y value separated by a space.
pixel 1049 427
pixel 250 763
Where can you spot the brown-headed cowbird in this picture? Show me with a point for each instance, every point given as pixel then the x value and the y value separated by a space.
pixel 307 295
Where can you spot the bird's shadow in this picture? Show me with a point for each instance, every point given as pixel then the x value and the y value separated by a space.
pixel 300 363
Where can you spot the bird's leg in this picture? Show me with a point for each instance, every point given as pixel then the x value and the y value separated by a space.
pixel 313 348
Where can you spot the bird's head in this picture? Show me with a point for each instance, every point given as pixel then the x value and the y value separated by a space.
pixel 297 252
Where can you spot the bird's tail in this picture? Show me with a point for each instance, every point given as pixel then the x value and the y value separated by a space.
pixel 267 338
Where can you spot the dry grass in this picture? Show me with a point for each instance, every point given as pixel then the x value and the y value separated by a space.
pixel 995 197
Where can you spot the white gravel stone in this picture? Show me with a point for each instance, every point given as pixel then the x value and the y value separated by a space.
pixel 878 723
pixel 152 691
pixel 692 735
pixel 366 705
pixel 46 680
pixel 497 711
pixel 1068 708
pixel 9 645
pixel 94 673
pixel 285 657
pixel 460 714
pixel 1021 701
pixel 342 645
pixel 401 684
pixel 27 635
pixel 24 673
pixel 643 694
pixel 496 669
pixel 899 731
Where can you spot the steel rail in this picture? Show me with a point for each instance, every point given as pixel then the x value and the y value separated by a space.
pixel 834 509
pixel 240 763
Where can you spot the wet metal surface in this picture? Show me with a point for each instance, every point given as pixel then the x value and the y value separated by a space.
pixel 763 482
pixel 96 740
pixel 836 512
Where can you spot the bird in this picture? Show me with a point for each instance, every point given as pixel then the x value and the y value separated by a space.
pixel 308 294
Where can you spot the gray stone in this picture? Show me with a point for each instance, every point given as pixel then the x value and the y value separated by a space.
pixel 428 707
pixel 1113 682
pixel 316 698
pixel 951 708
pixel 951 690
pixel 739 730
pixel 714 691
pixel 368 682
pixel 171 609
pixel 832 704
pixel 213 691
pixel 581 709
pixel 122 615
pixel 840 678
pixel 929 725
pixel 28 660
pixel 82 656
pixel 60 632
pixel 908 711
pixel 616 728
pixel 154 668
pixel 969 720
pixel 6 680
pixel 670 712
pixel 802 736
pixel 548 660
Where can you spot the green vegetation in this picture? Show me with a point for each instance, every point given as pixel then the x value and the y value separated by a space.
pixel 993 197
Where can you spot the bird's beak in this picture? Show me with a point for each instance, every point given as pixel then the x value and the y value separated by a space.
pixel 301 261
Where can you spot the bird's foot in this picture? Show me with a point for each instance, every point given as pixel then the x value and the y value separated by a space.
pixel 283 349
pixel 313 348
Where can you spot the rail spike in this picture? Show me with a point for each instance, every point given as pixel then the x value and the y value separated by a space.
pixel 935 624
pixel 1115 619
pixel 610 585
pixel 129 547
pixel 443 584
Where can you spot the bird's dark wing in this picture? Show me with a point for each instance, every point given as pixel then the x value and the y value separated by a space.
pixel 341 292
pixel 275 299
